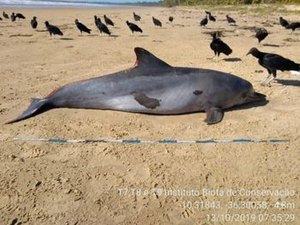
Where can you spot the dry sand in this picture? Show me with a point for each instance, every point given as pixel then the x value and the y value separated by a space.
pixel 44 183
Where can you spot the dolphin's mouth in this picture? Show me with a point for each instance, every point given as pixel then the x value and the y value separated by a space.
pixel 255 97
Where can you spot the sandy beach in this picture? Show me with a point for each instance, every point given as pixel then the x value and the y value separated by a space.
pixel 115 183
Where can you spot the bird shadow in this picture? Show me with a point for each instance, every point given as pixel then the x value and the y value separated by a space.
pixel 291 40
pixel 271 45
pixel 66 39
pixel 142 35
pixel 90 35
pixel 236 59
pixel 158 41
pixel 41 30
pixel 178 25
pixel 107 36
pixel 289 82
pixel 20 35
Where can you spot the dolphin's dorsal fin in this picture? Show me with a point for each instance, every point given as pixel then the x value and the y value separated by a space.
pixel 145 59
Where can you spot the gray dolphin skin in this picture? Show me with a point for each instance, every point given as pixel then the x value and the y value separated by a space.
pixel 152 87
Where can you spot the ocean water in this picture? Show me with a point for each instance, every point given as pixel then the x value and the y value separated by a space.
pixel 69 3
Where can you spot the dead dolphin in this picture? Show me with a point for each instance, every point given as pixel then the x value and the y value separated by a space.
pixel 153 87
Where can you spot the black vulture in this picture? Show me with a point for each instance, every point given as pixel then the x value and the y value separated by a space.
pixel 20 16
pixel 230 20
pixel 102 27
pixel 156 22
pixel 81 27
pixel 171 18
pixel 136 17
pixel 108 21
pixel 34 22
pixel 13 17
pixel 261 34
pixel 96 20
pixel 53 29
pixel 293 26
pixel 273 62
pixel 133 27
pixel 5 15
pixel 204 22
pixel 210 17
pixel 283 22
pixel 218 46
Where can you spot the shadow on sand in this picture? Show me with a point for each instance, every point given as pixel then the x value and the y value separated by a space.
pixel 66 39
pixel 271 45
pixel 88 35
pixel 289 82
pixel 248 105
pixel 232 59
pixel 41 30
pixel 142 35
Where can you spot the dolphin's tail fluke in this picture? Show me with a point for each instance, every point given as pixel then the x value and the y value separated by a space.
pixel 36 107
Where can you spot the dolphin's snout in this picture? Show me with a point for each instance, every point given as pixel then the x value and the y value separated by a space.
pixel 256 97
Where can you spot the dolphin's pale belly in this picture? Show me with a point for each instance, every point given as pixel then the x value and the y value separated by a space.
pixel 168 96
pixel 167 103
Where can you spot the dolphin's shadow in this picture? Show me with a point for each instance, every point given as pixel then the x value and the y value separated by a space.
pixel 248 105
pixel 236 59
pixel 289 82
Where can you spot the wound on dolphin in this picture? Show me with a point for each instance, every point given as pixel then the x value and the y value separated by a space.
pixel 152 87
pixel 144 100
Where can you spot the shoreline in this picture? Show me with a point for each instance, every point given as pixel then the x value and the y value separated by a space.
pixel 65 6
pixel 77 5
pixel 72 9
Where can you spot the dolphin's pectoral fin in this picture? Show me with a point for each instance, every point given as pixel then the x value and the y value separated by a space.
pixel 144 100
pixel 214 115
